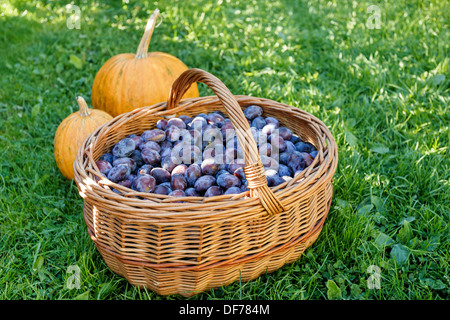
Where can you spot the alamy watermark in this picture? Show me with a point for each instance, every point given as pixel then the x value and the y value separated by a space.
pixel 74 21
pixel 374 21
pixel 221 145
pixel 74 281
pixel 373 282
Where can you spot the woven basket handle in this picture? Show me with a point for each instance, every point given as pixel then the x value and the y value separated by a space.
pixel 254 170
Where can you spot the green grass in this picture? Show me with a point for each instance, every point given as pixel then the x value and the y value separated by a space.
pixel 384 93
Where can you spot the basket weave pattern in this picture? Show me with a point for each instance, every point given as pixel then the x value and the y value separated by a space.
pixel 188 247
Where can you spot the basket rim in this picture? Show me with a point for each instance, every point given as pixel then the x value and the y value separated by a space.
pixel 85 177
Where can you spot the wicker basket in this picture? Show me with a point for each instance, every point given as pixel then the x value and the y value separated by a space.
pixel 154 241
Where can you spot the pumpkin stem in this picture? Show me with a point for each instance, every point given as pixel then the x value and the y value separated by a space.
pixel 145 41
pixel 84 109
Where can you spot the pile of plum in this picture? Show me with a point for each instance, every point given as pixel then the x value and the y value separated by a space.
pixel 201 156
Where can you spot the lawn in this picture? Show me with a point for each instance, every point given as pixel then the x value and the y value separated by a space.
pixel 382 88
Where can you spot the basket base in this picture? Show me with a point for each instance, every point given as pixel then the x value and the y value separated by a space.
pixel 188 283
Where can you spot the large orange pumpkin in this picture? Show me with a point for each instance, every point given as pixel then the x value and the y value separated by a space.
pixel 71 133
pixel 128 81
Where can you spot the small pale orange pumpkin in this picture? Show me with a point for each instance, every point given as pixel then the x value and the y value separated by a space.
pixel 128 81
pixel 71 133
